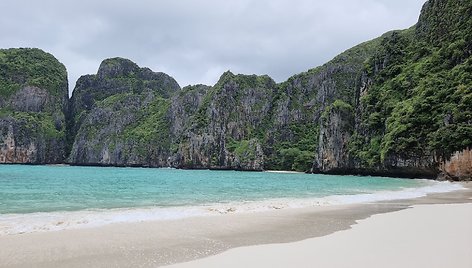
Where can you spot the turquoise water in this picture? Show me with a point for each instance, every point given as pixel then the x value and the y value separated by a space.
pixel 30 189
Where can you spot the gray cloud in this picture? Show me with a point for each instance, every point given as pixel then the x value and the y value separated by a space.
pixel 195 41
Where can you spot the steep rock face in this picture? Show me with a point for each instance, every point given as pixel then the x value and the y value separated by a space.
pixel 415 111
pixel 398 105
pixel 115 76
pixel 336 128
pixel 33 103
pixel 378 108
pixel 184 105
pixel 293 134
pixel 119 116
pixel 30 99
pixel 225 131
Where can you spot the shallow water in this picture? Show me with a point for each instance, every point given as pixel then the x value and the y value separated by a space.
pixel 35 198
pixel 26 189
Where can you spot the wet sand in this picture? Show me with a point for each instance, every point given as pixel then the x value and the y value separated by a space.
pixel 151 244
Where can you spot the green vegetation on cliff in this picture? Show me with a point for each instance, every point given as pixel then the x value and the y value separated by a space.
pixel 33 67
pixel 151 129
pixel 119 116
pixel 296 154
pixel 33 99
pixel 395 105
pixel 419 104
pixel 38 124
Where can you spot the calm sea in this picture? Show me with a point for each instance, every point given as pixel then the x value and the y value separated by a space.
pixel 36 198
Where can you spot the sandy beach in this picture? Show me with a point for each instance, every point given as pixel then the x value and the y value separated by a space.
pixel 432 231
pixel 422 236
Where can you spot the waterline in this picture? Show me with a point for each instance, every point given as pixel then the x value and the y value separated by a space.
pixel 63 220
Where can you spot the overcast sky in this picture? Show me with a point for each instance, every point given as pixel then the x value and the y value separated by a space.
pixel 196 41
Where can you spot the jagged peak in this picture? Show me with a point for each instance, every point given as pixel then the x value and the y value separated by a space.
pixel 224 78
pixel 226 75
pixel 248 79
pixel 113 67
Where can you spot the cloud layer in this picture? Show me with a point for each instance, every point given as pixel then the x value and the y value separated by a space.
pixel 196 41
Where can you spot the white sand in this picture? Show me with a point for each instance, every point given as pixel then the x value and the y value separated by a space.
pixel 423 236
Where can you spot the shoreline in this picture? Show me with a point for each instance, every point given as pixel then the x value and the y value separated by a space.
pixel 362 172
pixel 395 239
pixel 35 222
pixel 285 172
pixel 151 244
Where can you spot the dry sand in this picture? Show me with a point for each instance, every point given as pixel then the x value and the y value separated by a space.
pixel 422 236
pixel 439 232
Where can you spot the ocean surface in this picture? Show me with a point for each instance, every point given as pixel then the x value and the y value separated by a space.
pixel 43 198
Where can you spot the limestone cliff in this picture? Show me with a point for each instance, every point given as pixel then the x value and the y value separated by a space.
pixel 398 105
pixel 33 102
pixel 226 128
pixel 119 116
pixel 415 109
pixel 378 108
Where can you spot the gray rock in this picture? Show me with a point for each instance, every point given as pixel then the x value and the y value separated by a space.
pixel 32 120
pixel 30 99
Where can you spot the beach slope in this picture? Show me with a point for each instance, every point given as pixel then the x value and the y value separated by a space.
pixel 437 235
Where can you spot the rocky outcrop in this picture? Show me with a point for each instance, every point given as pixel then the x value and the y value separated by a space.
pixel 196 127
pixel 30 99
pixel 106 135
pixel 34 99
pixel 337 124
pixel 293 137
pixel 405 121
pixel 115 76
pixel 377 92
pixel 11 151
pixel 119 116
pixel 221 133
pixel 184 105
